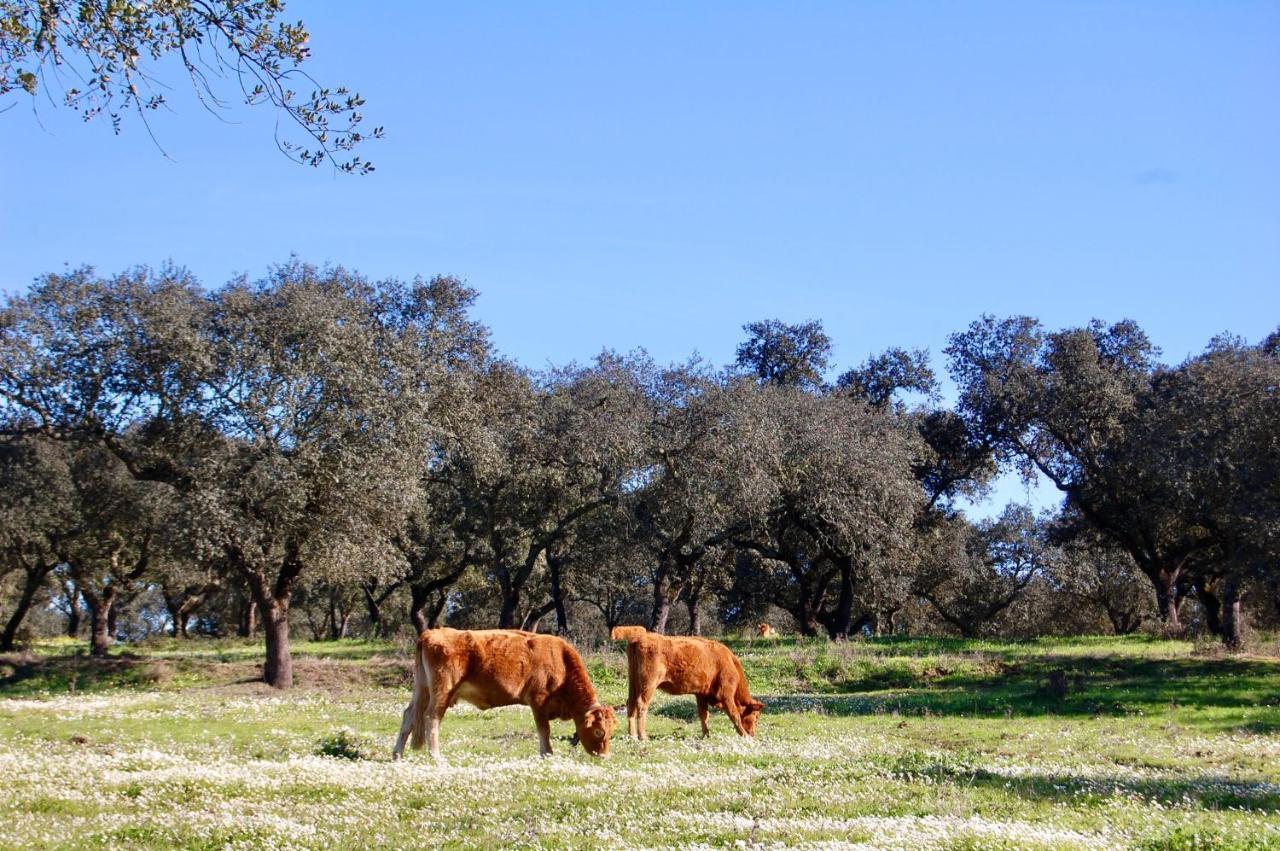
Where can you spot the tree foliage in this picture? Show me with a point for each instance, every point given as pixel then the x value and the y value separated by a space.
pixel 107 58
pixel 316 449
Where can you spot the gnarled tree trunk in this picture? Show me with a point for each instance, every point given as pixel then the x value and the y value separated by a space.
pixel 101 606
pixel 693 600
pixel 555 569
pixel 35 574
pixel 665 592
pixel 1232 626
pixel 373 600
pixel 1168 599
pixel 74 611
pixel 425 611
pixel 838 622
pixel 1211 604
pixel 273 606
pixel 277 670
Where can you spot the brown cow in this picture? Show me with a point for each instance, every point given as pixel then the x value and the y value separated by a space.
pixel 767 631
pixel 502 667
pixel 697 666
pixel 626 633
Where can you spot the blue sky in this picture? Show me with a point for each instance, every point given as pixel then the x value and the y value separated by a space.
pixel 659 175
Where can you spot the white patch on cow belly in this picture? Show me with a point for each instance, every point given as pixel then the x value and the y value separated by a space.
pixel 468 693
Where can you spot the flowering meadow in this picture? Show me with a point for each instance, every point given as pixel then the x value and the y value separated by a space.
pixel 1103 743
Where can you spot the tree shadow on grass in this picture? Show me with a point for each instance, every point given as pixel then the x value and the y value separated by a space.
pixel 29 675
pixel 1206 791
pixel 1076 686
pixel 25 675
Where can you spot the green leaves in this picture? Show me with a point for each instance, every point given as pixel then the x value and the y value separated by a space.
pixel 224 44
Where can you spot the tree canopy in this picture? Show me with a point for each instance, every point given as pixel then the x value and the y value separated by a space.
pixel 311 445
pixel 109 58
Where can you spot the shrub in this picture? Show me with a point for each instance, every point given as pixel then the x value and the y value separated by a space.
pixel 344 744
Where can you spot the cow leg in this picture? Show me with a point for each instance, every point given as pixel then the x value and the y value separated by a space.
pixel 405 727
pixel 633 704
pixel 642 713
pixel 436 708
pixel 735 715
pixel 703 711
pixel 434 714
pixel 729 701
pixel 634 708
pixel 544 733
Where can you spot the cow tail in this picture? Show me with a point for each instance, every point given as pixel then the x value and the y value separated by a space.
pixel 421 697
pixel 633 672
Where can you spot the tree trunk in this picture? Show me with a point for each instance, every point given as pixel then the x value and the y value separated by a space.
pixel 74 612
pixel 425 610
pixel 806 621
pixel 555 565
pixel 664 594
pixel 510 603
pixel 248 618
pixel 177 616
pixel 339 616
pixel 418 599
pixel 1231 614
pixel 804 612
pixel 1123 621
pixel 661 612
pixel 375 614
pixel 693 600
pixel 695 614
pixel 101 636
pixel 273 606
pixel 534 616
pixel 277 671
pixel 1167 599
pixel 886 621
pixel 35 578
pixel 838 623
pixel 1211 604
pixel 435 614
pixel 373 603
pixel 418 618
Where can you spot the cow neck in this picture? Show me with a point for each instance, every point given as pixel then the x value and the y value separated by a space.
pixel 577 686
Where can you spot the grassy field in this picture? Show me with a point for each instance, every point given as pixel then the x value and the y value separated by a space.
pixel 1079 743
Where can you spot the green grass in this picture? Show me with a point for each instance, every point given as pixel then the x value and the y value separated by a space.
pixel 1093 742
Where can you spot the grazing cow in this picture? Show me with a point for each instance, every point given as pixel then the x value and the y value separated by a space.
pixel 502 667
pixel 767 631
pixel 697 666
pixel 626 633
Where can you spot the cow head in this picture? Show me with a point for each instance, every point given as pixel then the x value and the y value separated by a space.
pixel 750 714
pixel 595 728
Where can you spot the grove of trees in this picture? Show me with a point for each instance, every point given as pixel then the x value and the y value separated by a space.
pixel 316 451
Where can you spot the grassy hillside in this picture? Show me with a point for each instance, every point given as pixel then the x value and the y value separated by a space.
pixel 898 742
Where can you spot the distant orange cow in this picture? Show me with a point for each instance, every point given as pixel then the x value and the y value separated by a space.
pixel 681 665
pixel 626 633
pixel 767 631
pixel 502 667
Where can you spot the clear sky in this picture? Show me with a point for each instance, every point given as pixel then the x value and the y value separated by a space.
pixel 658 174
